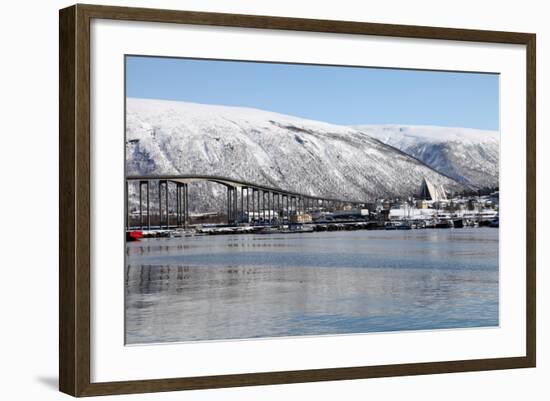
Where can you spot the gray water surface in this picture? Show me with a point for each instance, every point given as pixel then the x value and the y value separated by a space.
pixel 250 286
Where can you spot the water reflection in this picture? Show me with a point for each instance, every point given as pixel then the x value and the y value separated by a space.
pixel 229 287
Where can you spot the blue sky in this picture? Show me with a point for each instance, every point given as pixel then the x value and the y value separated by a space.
pixel 339 95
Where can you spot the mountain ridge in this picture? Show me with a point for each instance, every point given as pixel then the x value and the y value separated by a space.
pixel 300 155
pixel 467 155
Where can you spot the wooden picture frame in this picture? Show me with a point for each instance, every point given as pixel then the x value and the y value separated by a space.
pixel 74 199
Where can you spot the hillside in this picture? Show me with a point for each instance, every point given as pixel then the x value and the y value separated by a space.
pixel 311 157
pixel 469 156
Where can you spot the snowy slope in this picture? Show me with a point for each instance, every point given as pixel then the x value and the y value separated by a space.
pixel 167 137
pixel 469 156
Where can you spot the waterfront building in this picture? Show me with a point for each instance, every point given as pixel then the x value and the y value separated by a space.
pixel 301 218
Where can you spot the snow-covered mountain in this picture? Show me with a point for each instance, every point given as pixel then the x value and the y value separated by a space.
pixel 470 156
pixel 311 157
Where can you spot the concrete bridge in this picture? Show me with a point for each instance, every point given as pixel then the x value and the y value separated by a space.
pixel 243 198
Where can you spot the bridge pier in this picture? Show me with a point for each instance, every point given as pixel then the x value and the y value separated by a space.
pixel 127 208
pixel 180 207
pixel 229 205
pixel 278 207
pixel 241 218
pixel 253 205
pixel 287 208
pixel 269 195
pixel 186 206
pixel 165 184
pixel 247 205
pixel 167 206
pixel 140 190
pixel 178 204
pixel 235 205
pixel 148 208
pixel 260 203
pixel 141 185
pixel 232 205
pixel 263 207
pixel 268 209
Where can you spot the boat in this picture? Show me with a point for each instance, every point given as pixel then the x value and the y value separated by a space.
pixel 398 225
pixel 444 224
pixel 268 230
pixel 296 229
pixel 458 223
pixel 134 235
pixel 430 224
pixel 470 223
pixel 494 223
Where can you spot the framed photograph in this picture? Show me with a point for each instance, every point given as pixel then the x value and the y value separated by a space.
pixel 249 200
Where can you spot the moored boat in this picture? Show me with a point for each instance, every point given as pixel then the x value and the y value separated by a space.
pixel 444 224
pixel 134 235
pixel 398 225
pixel 458 223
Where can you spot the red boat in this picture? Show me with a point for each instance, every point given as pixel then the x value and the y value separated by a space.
pixel 134 235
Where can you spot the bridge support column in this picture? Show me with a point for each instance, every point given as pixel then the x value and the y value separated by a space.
pixel 228 205
pixel 273 206
pixel 140 188
pixel 289 207
pixel 263 205
pixel 127 208
pixel 235 206
pixel 258 206
pixel 279 210
pixel 183 202
pixel 178 204
pixel 179 219
pixel 269 207
pixel 285 209
pixel 241 216
pixel 146 185
pixel 253 206
pixel 185 205
pixel 247 205
pixel 148 207
pixel 167 209
pixel 161 183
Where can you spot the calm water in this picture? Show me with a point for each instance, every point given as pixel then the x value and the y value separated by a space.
pixel 248 286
